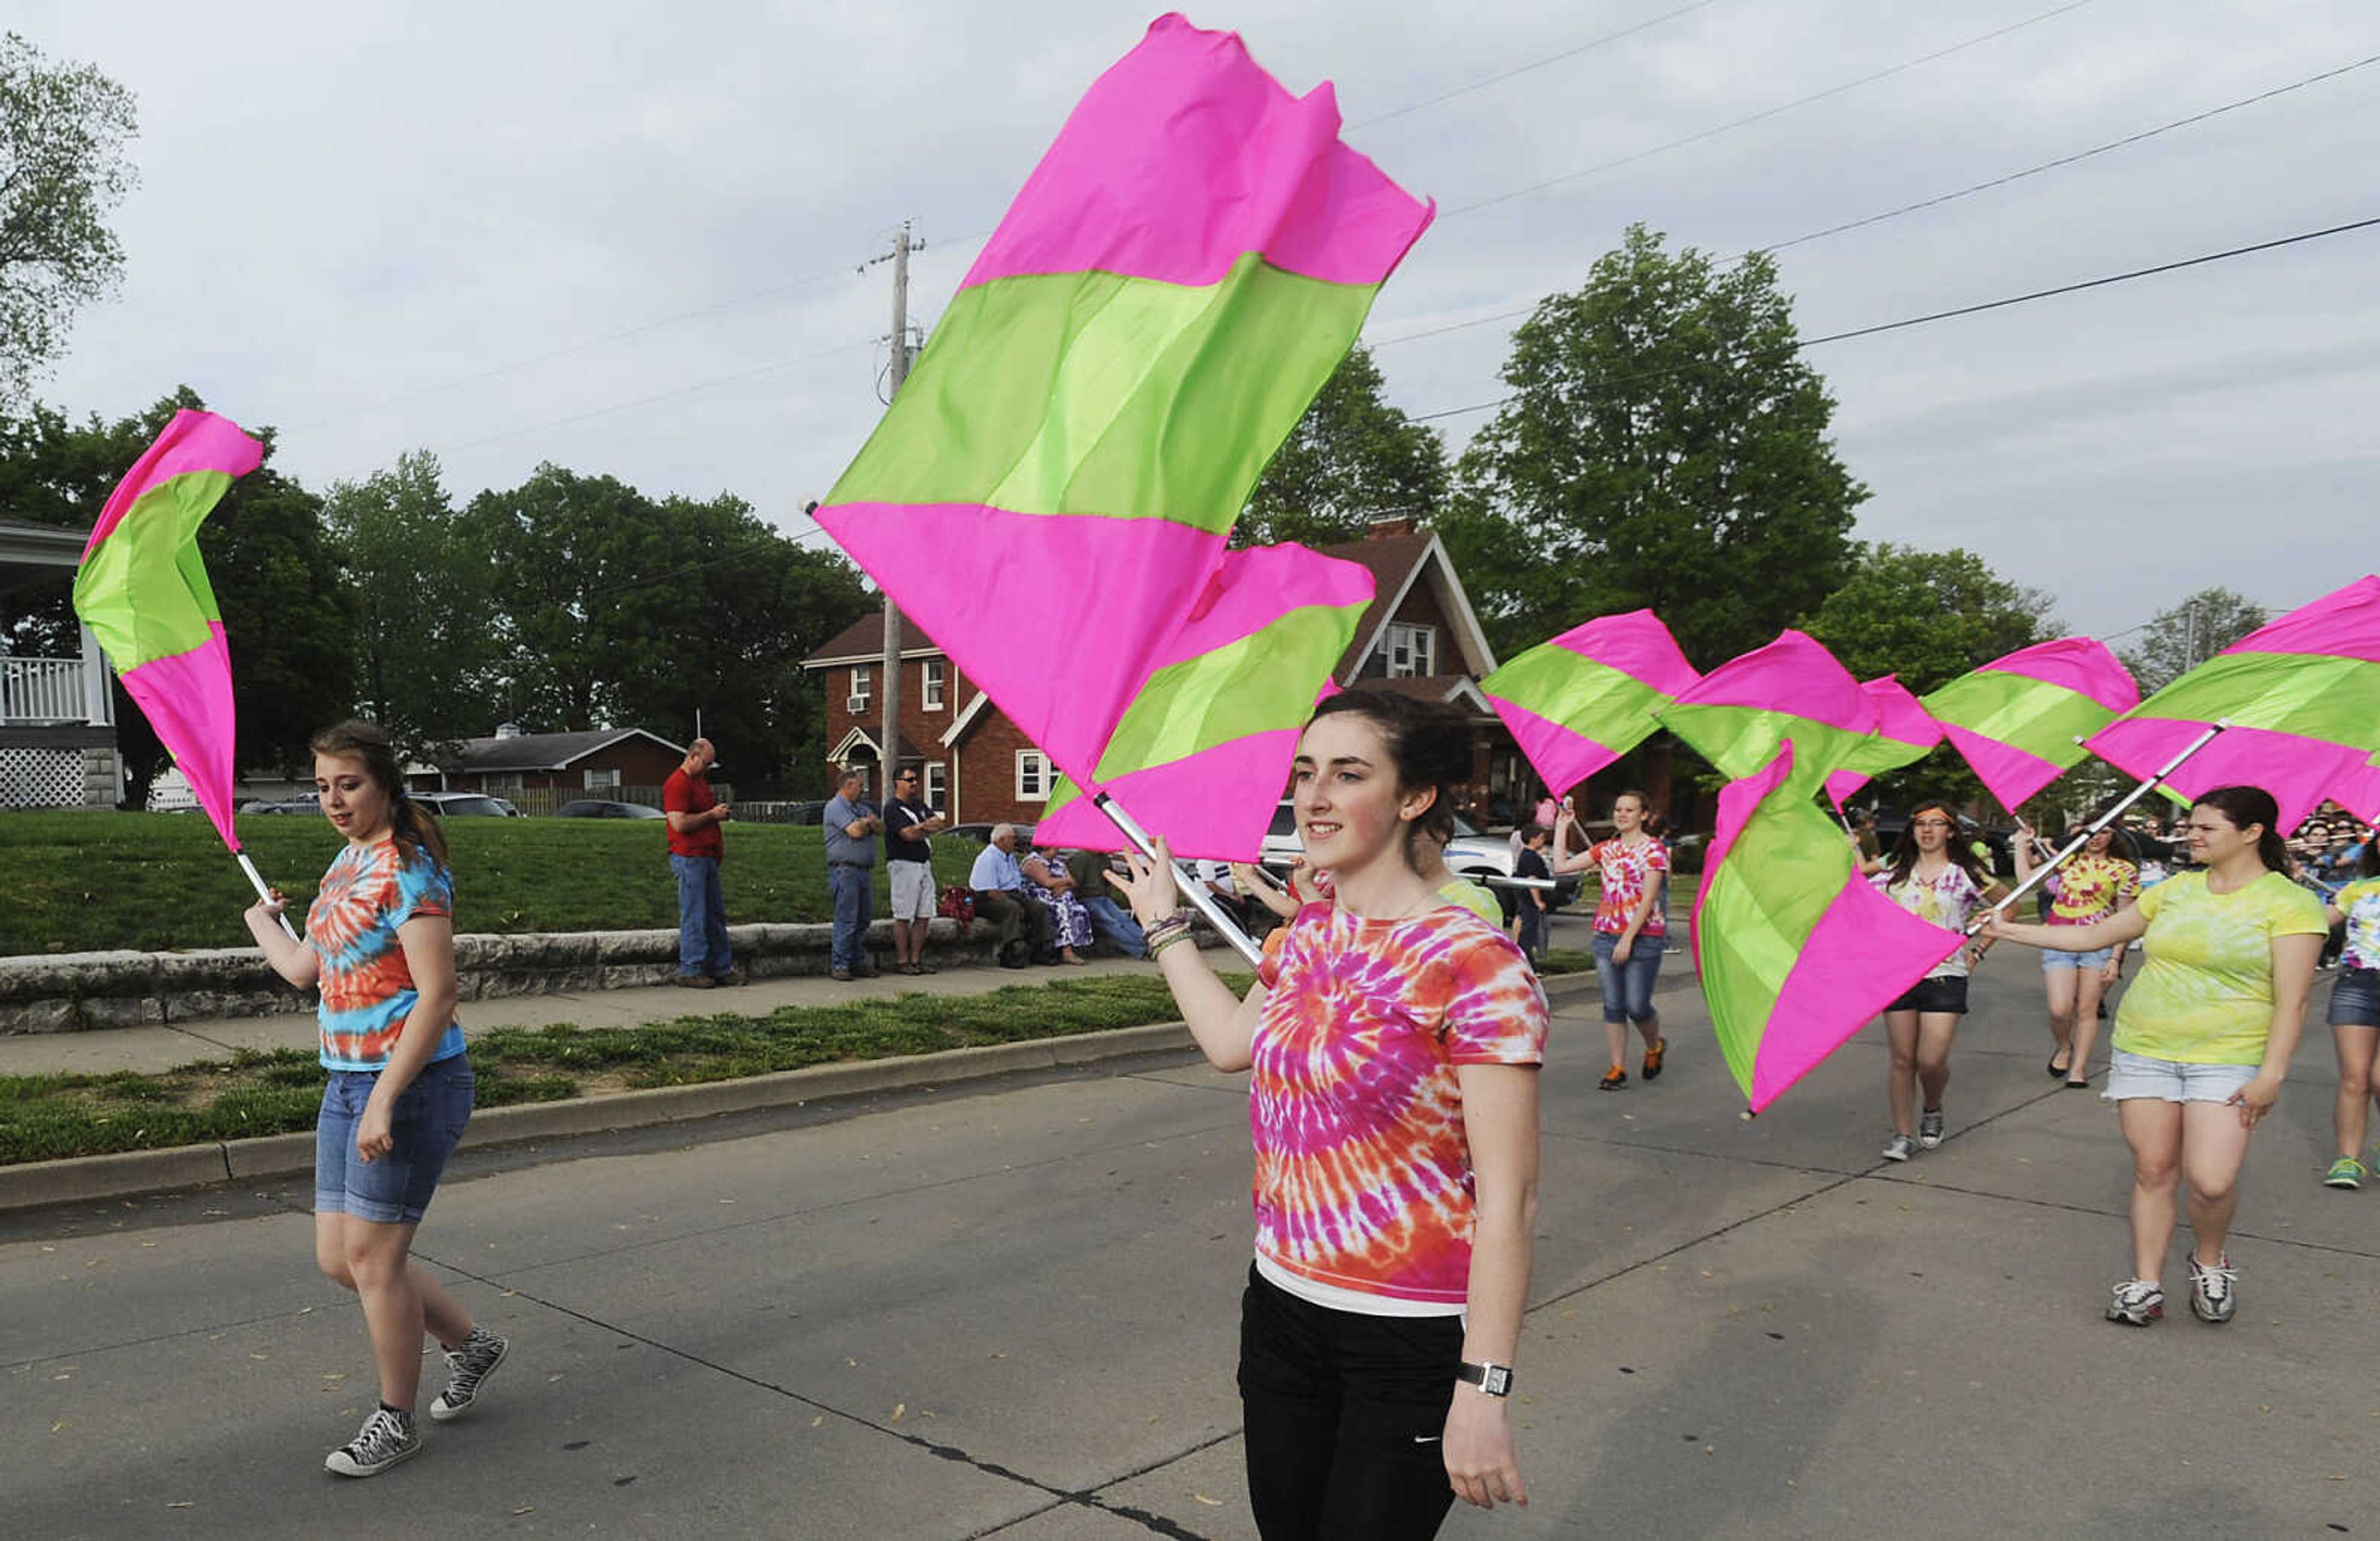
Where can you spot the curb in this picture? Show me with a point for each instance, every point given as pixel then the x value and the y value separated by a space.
pixel 81 1179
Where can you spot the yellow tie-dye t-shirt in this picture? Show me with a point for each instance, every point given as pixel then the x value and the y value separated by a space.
pixel 2206 995
pixel 2360 902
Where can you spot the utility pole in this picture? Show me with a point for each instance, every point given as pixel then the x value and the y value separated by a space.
pixel 889 762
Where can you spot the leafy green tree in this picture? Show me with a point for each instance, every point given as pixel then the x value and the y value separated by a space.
pixel 424 590
pixel 1665 446
pixel 1352 457
pixel 287 612
pixel 1926 616
pixel 2179 640
pixel 63 129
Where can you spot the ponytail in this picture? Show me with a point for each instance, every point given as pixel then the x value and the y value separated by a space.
pixel 2245 805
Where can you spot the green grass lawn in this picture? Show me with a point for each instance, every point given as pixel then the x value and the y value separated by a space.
pixel 81 882
pixel 48 1117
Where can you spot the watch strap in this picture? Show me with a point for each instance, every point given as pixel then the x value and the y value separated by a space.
pixel 1494 1380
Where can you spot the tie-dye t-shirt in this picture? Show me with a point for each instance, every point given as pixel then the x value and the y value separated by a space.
pixel 1947 899
pixel 1627 871
pixel 2206 996
pixel 1363 1165
pixel 367 986
pixel 2360 902
pixel 2092 888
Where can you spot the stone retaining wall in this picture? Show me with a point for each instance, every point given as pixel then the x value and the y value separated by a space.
pixel 71 991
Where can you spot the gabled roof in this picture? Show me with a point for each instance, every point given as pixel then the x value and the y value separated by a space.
pixel 859 733
pixel 863 642
pixel 546 751
pixel 1398 562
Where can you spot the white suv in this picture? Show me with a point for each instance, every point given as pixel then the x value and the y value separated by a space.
pixel 1469 854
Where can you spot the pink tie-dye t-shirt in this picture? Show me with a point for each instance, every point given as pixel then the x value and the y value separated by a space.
pixel 1362 1172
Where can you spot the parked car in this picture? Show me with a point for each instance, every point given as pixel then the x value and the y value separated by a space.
pixel 284 805
pixel 598 808
pixel 1470 855
pixel 467 805
pixel 981 834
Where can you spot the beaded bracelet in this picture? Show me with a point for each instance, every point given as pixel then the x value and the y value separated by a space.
pixel 1173 938
pixel 1165 932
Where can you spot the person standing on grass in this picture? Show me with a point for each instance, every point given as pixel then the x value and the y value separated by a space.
pixel 1935 876
pixel 909 829
pixel 1395 1041
pixel 697 847
pixel 2355 1017
pixel 851 827
pixel 380 945
pixel 1632 929
pixel 2204 1035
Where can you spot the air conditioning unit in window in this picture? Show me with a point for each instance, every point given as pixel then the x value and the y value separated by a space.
pixel 854 704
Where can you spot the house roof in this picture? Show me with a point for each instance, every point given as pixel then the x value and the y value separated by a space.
pixel 1458 689
pixel 1396 562
pixel 860 734
pixel 863 642
pixel 546 751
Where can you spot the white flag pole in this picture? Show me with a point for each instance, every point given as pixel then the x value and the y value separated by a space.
pixel 264 892
pixel 1191 889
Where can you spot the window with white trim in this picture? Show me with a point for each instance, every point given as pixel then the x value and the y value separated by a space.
pixel 863 687
pixel 1412 651
pixel 1032 774
pixel 938 786
pixel 929 695
pixel 602 781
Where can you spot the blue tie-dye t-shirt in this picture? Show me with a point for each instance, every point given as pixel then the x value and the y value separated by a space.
pixel 367 986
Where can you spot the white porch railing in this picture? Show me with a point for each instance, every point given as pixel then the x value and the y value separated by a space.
pixel 43 690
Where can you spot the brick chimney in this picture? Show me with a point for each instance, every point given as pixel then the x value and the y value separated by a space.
pixel 1388 527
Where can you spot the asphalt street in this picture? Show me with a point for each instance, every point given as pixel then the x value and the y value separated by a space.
pixel 1010 1311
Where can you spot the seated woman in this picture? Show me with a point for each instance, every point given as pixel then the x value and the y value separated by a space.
pixel 1054 886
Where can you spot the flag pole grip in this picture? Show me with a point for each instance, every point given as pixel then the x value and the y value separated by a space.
pixel 257 879
pixel 2041 874
pixel 1189 886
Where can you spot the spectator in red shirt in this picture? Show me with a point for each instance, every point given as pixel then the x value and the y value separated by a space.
pixel 695 847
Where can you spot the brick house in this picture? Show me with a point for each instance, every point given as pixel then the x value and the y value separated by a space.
pixel 1420 636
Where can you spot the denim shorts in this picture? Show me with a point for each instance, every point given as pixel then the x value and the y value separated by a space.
pixel 2052 960
pixel 1942 995
pixel 1628 987
pixel 2138 1075
pixel 2355 998
pixel 396 1188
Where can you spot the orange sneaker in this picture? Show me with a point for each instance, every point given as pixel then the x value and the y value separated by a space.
pixel 1653 1059
pixel 1613 1079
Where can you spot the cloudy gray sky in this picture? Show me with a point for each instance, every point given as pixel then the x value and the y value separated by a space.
pixel 625 238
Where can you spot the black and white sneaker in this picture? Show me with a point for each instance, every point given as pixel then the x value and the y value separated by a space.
pixel 386 1439
pixel 1929 1129
pixel 466 1368
pixel 1900 1149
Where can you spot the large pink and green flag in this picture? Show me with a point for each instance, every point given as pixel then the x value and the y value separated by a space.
pixel 1204 749
pixel 1177 279
pixel 1741 713
pixel 1579 702
pixel 2020 720
pixel 2302 699
pixel 143 593
pixel 1796 951
pixel 1905 734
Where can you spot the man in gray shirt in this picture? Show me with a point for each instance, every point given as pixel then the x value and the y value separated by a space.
pixel 851 827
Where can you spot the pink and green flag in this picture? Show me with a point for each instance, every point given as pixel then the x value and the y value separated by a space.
pixel 1579 702
pixel 2303 696
pixel 2019 721
pixel 143 593
pixel 1796 951
pixel 1741 713
pixel 1904 734
pixel 1204 749
pixel 1177 279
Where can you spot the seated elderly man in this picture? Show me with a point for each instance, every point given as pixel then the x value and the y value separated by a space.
pixel 1003 897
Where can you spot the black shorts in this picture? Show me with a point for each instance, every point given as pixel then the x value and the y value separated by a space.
pixel 1945 993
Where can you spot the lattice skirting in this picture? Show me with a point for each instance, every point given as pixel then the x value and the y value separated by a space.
pixel 42 778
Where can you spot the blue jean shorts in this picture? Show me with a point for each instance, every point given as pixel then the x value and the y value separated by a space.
pixel 2131 1075
pixel 428 1118
pixel 2355 998
pixel 2052 960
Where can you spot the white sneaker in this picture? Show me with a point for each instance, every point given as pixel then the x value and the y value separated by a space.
pixel 2137 1302
pixel 386 1439
pixel 2211 1290
pixel 1900 1149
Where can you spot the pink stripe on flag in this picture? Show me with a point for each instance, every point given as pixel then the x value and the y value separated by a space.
pixel 1256 586
pixel 1185 157
pixel 1793 674
pixel 2007 773
pixel 2343 624
pixel 2300 772
pixel 1178 800
pixel 2079 663
pixel 1563 758
pixel 1865 952
pixel 964 571
pixel 1737 800
pixel 1636 644
pixel 192 442
pixel 187 699
pixel 1899 717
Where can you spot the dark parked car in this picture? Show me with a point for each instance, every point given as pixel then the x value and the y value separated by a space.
pixel 598 808
pixel 467 805
pixel 284 805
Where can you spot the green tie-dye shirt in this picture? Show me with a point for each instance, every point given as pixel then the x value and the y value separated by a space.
pixel 2360 902
pixel 2206 996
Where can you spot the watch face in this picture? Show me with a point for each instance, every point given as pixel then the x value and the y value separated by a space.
pixel 1498 1381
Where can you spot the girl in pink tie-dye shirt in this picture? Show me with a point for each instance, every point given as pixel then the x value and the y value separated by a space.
pixel 1394 1040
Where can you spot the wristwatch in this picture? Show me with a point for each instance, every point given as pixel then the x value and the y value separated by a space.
pixel 1494 1380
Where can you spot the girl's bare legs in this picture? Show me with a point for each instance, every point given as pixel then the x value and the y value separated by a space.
pixel 400 1301
pixel 2060 983
pixel 2358 1050
pixel 2153 1128
pixel 2084 1034
pixel 2213 1148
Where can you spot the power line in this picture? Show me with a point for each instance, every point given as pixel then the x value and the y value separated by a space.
pixel 1730 126
pixel 2076 287
pixel 1499 78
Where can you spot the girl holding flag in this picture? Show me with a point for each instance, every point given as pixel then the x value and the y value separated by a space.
pixel 2205 1035
pixel 1395 1041
pixel 2096 883
pixel 1631 928
pixel 1939 878
pixel 380 943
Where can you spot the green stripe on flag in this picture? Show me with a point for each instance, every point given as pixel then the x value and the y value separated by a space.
pixel 1584 696
pixel 1258 683
pixel 144 592
pixel 1769 894
pixel 1739 740
pixel 1088 392
pixel 2042 718
pixel 2313 695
